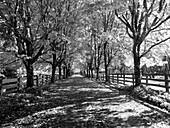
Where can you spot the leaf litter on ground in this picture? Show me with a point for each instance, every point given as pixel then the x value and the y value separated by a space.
pixel 84 104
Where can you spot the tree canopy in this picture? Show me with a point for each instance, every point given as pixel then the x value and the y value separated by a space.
pixel 95 35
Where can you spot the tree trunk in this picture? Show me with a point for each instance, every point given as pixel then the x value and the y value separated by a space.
pixel 53 74
pixel 64 72
pixel 59 68
pixel 97 75
pixel 91 73
pixel 98 65
pixel 105 63
pixel 67 72
pixel 30 74
pixel 87 72
pixel 53 68
pixel 106 73
pixel 137 71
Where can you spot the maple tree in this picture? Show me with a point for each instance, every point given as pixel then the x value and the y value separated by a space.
pixel 99 18
pixel 62 43
pixel 26 24
pixel 140 20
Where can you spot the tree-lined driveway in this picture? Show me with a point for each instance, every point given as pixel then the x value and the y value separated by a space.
pixel 81 103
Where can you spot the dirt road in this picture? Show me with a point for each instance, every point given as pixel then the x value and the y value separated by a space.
pixel 81 103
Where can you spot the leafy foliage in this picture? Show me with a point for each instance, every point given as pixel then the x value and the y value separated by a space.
pixel 9 72
pixel 140 20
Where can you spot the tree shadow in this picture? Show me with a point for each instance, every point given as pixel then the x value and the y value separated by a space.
pixel 80 103
pixel 96 118
pixel 79 90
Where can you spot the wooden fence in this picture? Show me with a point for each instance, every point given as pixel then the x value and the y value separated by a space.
pixel 15 84
pixel 9 85
pixel 156 80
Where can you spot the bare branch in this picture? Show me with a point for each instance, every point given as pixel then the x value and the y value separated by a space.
pixel 49 62
pixel 38 54
pixel 154 46
pixel 159 24
pixel 128 24
pixel 127 30
pixel 162 29
pixel 11 62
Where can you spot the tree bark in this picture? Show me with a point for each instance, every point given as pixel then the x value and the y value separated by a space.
pixel 30 74
pixel 67 72
pixel 53 69
pixel 137 71
pixel 105 63
pixel 97 71
pixel 91 73
pixel 98 63
pixel 53 74
pixel 106 73
pixel 64 72
pixel 59 68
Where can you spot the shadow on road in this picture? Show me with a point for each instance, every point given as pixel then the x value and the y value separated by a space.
pixel 80 103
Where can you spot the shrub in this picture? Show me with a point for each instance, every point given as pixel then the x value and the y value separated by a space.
pixel 10 72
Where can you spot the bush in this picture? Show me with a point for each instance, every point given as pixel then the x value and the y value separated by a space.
pixel 10 72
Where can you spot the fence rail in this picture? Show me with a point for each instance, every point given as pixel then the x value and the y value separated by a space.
pixel 156 80
pixel 15 84
pixel 9 85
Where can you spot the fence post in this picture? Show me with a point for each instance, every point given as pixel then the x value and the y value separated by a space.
pixel 46 79
pixel 133 79
pixel 37 80
pixel 124 78
pixel 166 83
pixel 42 79
pixel 1 91
pixel 50 79
pixel 103 77
pixel 109 75
pixel 56 78
pixel 19 82
pixel 112 77
pixel 146 80
pixel 117 78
